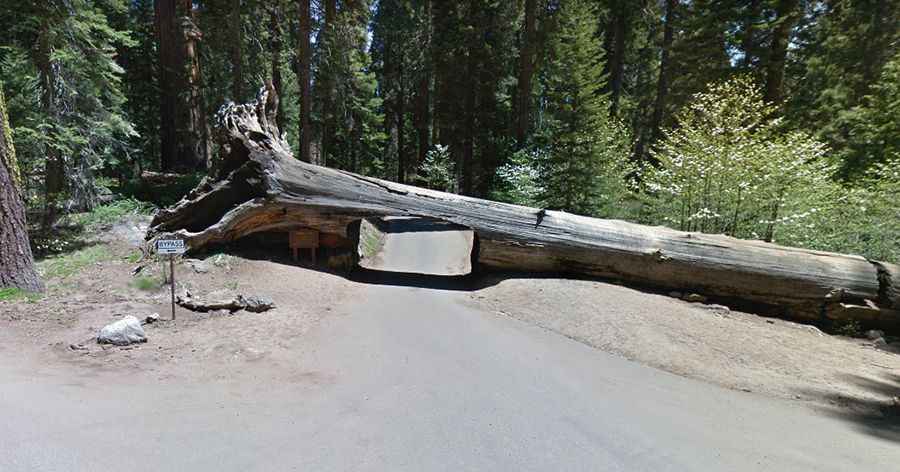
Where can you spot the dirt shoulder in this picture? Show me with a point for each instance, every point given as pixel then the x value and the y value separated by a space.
pixel 729 348
pixel 94 286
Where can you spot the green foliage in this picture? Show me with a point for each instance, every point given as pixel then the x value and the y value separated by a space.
pixel 730 168
pixel 66 90
pixel 519 180
pixel 354 118
pixel 436 171
pixel 10 294
pixel 726 168
pixel 146 283
pixel 874 127
pixel 849 328
pixel 111 213
pixel 66 265
pixel 840 54
pixel 862 219
pixel 580 153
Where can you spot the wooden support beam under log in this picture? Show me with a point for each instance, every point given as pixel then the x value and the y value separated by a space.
pixel 260 186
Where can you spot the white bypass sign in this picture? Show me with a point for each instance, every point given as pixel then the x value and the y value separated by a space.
pixel 170 246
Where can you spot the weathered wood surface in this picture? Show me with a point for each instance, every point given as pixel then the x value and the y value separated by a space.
pixel 260 186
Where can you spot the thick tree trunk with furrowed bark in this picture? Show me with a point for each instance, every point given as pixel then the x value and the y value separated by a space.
pixel 16 260
pixel 260 186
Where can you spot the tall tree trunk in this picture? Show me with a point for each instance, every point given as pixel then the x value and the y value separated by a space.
pixel 275 45
pixel 526 72
pixel 169 77
pixel 615 62
pixel 304 54
pixel 786 18
pixel 196 153
pixel 662 85
pixel 237 75
pixel 54 167
pixel 422 107
pixel 183 133
pixel 326 82
pixel 468 137
pixel 16 261
pixel 402 160
pixel 748 40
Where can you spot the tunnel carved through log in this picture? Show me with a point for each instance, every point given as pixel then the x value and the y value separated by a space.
pixel 258 185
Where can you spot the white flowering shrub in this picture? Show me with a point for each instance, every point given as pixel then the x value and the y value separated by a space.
pixel 726 168
pixel 519 180
pixel 861 219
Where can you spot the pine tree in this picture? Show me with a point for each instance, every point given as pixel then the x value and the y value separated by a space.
pixel 581 148
pixel 350 115
pixel 841 53
pixel 16 261
pixel 75 124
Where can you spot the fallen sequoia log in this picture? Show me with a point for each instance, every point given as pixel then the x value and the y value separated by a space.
pixel 259 186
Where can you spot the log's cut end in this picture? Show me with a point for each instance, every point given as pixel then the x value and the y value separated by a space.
pixel 258 186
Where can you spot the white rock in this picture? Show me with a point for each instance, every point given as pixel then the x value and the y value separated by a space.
pixel 126 331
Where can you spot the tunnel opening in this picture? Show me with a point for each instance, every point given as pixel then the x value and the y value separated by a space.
pixel 416 245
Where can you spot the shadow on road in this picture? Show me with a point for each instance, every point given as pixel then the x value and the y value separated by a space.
pixel 877 418
pixel 398 224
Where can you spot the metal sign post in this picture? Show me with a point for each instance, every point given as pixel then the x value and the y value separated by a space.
pixel 171 247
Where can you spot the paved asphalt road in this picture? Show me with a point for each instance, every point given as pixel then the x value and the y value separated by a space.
pixel 410 379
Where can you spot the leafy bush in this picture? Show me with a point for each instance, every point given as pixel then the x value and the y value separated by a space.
pixel 436 171
pixel 729 168
pixel 726 168
pixel 66 265
pixel 12 294
pixel 112 213
pixel 863 218
pixel 519 180
pixel 146 283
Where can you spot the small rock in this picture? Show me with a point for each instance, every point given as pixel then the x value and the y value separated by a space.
pixel 874 334
pixel 78 347
pixel 675 294
pixel 770 321
pixel 152 318
pixel 879 342
pixel 199 266
pixel 695 298
pixel 256 304
pixel 126 331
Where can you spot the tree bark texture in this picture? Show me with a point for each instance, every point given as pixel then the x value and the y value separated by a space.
pixel 304 56
pixel 237 70
pixel 662 85
pixel 183 136
pixel 786 17
pixel 617 30
pixel 16 260
pixel 526 72
pixel 259 186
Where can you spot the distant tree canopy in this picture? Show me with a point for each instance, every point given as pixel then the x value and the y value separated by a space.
pixel 630 109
